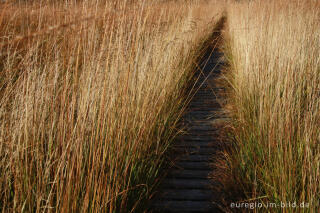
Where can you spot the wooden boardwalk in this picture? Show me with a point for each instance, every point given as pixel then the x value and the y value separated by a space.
pixel 187 186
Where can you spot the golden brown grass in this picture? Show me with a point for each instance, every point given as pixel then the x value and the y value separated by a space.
pixel 90 94
pixel 274 49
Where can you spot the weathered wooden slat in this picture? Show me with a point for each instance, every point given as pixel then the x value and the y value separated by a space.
pixel 209 137
pixel 200 116
pixel 181 183
pixel 209 134
pixel 186 143
pixel 195 158
pixel 209 111
pixel 187 116
pixel 211 142
pixel 201 137
pixel 181 173
pixel 201 128
pixel 185 206
pixel 200 113
pixel 202 165
pixel 204 106
pixel 195 151
pixel 206 91
pixel 197 123
pixel 204 100
pixel 187 194
pixel 213 87
pixel 209 96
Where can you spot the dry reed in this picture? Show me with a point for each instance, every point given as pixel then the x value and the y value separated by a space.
pixel 90 94
pixel 274 49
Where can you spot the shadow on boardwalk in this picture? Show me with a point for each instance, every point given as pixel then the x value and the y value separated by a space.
pixel 187 186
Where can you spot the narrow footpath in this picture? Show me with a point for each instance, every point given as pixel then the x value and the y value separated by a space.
pixel 187 186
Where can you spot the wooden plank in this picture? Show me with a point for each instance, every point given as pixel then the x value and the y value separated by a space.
pixel 174 183
pixel 197 123
pixel 204 100
pixel 185 143
pixel 209 111
pixel 210 134
pixel 201 139
pixel 210 142
pixel 203 106
pixel 210 98
pixel 212 114
pixel 187 147
pixel 182 173
pixel 200 116
pixel 213 87
pixel 202 165
pixel 195 158
pixel 187 194
pixel 204 127
pixel 208 138
pixel 195 151
pixel 207 91
pixel 185 206
pixel 206 96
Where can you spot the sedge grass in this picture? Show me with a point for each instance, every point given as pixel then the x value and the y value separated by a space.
pixel 90 94
pixel 274 50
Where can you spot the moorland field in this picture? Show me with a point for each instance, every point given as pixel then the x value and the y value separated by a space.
pixel 91 93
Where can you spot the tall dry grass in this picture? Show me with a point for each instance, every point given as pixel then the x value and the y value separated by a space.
pixel 90 94
pixel 274 51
